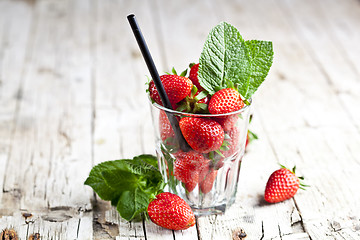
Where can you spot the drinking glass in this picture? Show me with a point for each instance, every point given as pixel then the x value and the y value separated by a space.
pixel 207 181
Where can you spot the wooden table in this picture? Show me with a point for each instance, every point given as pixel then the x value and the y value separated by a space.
pixel 72 94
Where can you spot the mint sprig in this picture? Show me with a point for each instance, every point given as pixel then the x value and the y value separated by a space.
pixel 129 184
pixel 228 60
pixel 260 55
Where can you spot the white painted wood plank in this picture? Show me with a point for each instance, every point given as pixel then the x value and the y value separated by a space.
pixel 52 138
pixel 183 33
pixel 122 124
pixel 13 53
pixel 328 52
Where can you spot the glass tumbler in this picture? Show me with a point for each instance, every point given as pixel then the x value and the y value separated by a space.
pixel 205 175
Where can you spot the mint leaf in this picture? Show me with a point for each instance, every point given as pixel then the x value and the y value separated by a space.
pixel 97 181
pixel 150 159
pixel 260 59
pixel 128 184
pixel 120 180
pixel 132 203
pixel 223 58
pixel 227 61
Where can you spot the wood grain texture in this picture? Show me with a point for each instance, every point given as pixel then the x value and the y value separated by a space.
pixel 72 95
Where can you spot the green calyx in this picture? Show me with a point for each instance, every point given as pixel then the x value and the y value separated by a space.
pixel 252 136
pixel 174 72
pixel 191 103
pixel 301 178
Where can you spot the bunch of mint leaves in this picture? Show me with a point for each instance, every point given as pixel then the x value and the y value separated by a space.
pixel 228 60
pixel 129 184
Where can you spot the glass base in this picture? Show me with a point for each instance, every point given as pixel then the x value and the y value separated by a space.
pixel 209 211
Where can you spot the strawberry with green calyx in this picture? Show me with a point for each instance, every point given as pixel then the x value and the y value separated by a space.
pixel 176 87
pixel 202 134
pixel 170 211
pixel 195 102
pixel 282 185
pixel 226 100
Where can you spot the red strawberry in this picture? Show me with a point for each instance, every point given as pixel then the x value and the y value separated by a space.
pixel 176 87
pixel 202 134
pixel 219 164
pixel 207 184
pixel 166 130
pixel 170 211
pixel 193 75
pixel 282 185
pixel 204 170
pixel 227 122
pixel 187 167
pixel 225 101
pixel 233 142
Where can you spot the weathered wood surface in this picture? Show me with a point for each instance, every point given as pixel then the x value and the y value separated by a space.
pixel 72 95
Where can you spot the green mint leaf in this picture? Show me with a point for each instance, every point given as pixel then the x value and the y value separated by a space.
pixel 223 58
pixel 260 55
pixel 147 158
pixel 229 61
pixel 121 180
pixel 128 181
pixel 132 203
pixel 97 181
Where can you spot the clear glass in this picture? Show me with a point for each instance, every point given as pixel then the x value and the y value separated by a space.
pixel 211 177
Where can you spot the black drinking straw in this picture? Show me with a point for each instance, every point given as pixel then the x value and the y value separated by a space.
pixel 155 76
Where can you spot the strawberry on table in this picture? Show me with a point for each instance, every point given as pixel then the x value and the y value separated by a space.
pixel 170 211
pixel 282 185
pixel 176 87
pixel 202 134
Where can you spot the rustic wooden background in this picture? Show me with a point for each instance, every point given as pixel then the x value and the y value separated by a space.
pixel 72 94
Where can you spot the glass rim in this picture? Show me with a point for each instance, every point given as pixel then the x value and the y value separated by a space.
pixel 201 114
